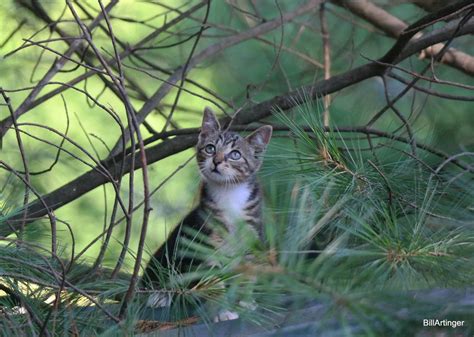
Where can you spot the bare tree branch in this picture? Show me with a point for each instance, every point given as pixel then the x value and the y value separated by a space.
pixel 92 179
pixel 211 51
pixel 55 67
pixel 393 26
pixel 31 102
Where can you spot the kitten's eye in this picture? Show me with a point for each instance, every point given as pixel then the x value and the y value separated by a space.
pixel 235 155
pixel 210 149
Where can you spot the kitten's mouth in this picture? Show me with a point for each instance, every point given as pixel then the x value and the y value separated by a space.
pixel 215 170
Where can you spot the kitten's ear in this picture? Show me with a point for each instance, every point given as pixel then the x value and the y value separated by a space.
pixel 260 138
pixel 210 124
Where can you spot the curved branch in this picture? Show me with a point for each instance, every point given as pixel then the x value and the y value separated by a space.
pixel 92 179
pixel 393 26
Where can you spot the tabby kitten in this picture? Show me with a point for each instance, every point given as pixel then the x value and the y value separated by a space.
pixel 230 195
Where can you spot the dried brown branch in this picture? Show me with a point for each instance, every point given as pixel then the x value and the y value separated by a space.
pixel 54 69
pixel 186 65
pixel 390 56
pixel 432 92
pixel 134 152
pixel 25 168
pixel 394 27
pixel 327 60
pixel 92 179
pixel 31 101
pixel 133 129
pixel 210 51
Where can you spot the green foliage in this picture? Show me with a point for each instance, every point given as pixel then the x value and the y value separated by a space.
pixel 361 232
pixel 363 227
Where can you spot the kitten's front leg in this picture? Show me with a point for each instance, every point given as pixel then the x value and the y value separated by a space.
pixel 225 315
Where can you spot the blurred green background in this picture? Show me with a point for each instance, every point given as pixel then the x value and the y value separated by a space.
pixel 252 71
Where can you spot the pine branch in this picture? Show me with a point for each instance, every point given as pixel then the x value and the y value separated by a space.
pixel 401 50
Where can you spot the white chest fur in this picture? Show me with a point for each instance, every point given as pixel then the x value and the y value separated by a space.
pixel 231 199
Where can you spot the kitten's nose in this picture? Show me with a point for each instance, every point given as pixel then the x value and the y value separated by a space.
pixel 219 158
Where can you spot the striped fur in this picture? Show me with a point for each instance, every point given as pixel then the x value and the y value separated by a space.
pixel 228 163
pixel 230 193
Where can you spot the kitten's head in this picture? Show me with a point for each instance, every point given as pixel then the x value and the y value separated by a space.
pixel 225 157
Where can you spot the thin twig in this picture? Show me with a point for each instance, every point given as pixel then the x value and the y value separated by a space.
pixel 327 60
